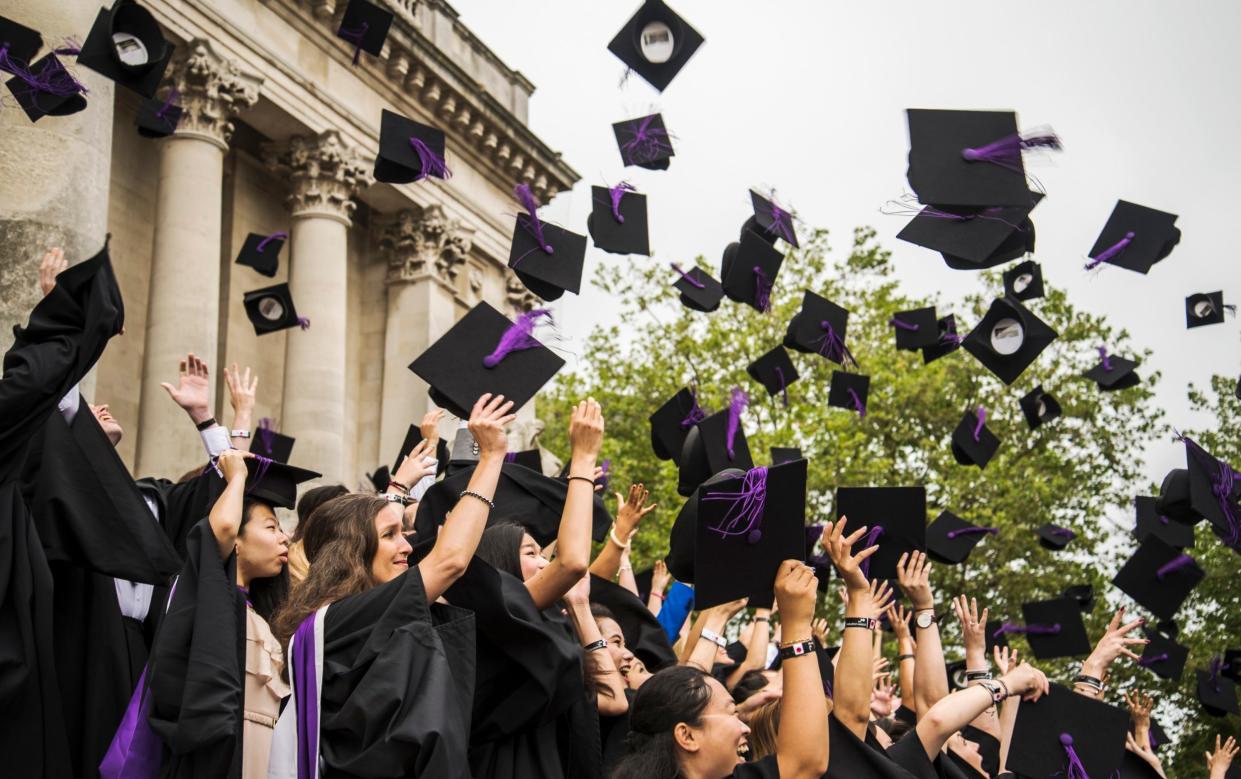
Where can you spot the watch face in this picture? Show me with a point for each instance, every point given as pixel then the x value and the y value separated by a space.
pixel 925 619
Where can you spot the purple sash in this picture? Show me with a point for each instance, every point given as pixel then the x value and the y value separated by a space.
pixel 135 751
pixel 305 683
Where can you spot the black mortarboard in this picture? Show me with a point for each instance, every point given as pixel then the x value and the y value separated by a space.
pixel 974 238
pixel 994 636
pixel 671 423
pixel 1054 537
pixel 644 636
pixel 1232 664
pixel 775 371
pixel 988 751
pixel 1164 657
pixel 1039 407
pixel 61 97
pixel 1215 492
pixel 699 291
pixel 158 118
pixel 547 274
pixel 956 159
pixel 408 150
pixel 1054 628
pixel 771 221
pixel 745 528
pixel 950 539
pixel 1008 339
pixel 272 445
pixel 1083 594
pixel 617 222
pixel 413 437
pixel 1151 523
pixel 1024 281
pixel 899 513
pixel 1174 498
pixel 380 478
pixel 1204 308
pixel 915 329
pixel 849 390
pixel 784 454
pixel 527 458
pixel 1217 695
pixel 20 42
pixel 126 45
pixel 947 343
pixel 365 25
pixel 1048 728
pixel 271 309
pixel 972 442
pixel 820 327
pixel 705 452
pixel 682 537
pixel 1135 237
pixel 956 675
pixel 656 43
pixel 262 252
pixel 1159 577
pixel 644 142
pixel 275 483
pixel 456 366
pixel 1114 373
pixel 749 270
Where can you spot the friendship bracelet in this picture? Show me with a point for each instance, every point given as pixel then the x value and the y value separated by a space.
pixel 899 658
pixel 1004 684
pixel 238 433
pixel 974 676
pixel 595 645
pixel 797 649
pixel 207 423
pixel 399 486
pixel 659 595
pixel 1089 681
pixel 582 478
pixel 869 623
pixel 611 530
pixel 464 493
pixel 393 497
pixel 714 638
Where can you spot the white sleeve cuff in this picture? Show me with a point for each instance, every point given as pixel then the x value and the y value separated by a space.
pixel 424 484
pixel 69 404
pixel 216 441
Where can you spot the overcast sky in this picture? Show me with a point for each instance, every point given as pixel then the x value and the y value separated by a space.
pixel 809 97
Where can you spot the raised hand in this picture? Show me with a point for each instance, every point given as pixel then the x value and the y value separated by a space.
pixel 913 576
pixel 898 618
pixel 586 432
pixel 50 267
pixel 579 593
pixel 660 578
pixel 1219 761
pixel 796 590
pixel 232 464
pixel 414 467
pixel 1113 644
pixel 630 512
pixel 870 601
pixel 487 421
pixel 430 425
pixel 840 548
pixel 1140 706
pixel 819 629
pixel 1005 658
pixel 973 631
pixel 883 697
pixel 1027 681
pixel 193 390
pixel 242 390
pixel 1141 746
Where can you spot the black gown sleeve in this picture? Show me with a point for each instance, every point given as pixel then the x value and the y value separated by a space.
pixel 182 505
pixel 850 757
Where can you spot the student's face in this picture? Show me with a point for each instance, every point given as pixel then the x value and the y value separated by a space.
pixel 531 557
pixel 392 555
pixel 637 674
pixel 966 750
pixel 719 744
pixel 611 632
pixel 262 547
pixel 111 428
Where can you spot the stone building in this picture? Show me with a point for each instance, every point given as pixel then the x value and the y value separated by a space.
pixel 279 134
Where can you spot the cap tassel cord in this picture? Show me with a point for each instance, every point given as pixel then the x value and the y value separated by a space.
pixel 902 324
pixel 304 322
pixel 615 194
pixel 517 337
pixel 784 389
pixel 1217 665
pixel 951 338
pixel 267 433
pixel 693 282
pixel 1107 361
pixel 990 214
pixel 762 290
pixel 736 407
pixel 1006 152
pixel 1175 564
pixel 833 346
pixel 530 220
pixel 695 415
pixel 53 80
pixel 1110 252
pixel 277 236
pixel 965 530
pixel 1147 662
pixel 173 96
pixel 1223 483
pixel 430 163
pixel 356 37
pixel 1037 629
pixel 260 471
pixel 646 146
pixel 982 421
pixel 857 402
pixel 1075 769
pixel 745 515
pixel 780 224
pixel 872 539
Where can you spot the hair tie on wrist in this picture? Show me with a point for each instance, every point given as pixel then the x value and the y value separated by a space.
pixel 612 534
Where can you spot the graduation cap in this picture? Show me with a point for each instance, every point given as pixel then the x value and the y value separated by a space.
pixel 272 445
pixel 159 118
pixel 1113 373
pixel 698 290
pixel 771 221
pixel 972 442
pixel 126 45
pixel 1164 657
pixel 994 637
pixel 275 483
pixel 1151 523
pixel 1205 308
pixel 271 309
pixel 969 158
pixel 748 271
pixel 46 89
pixel 1063 730
pixel 1039 407
pixel 380 478
pixel 413 437
pixel 262 252
pixel 366 26
pixel 849 390
pixel 1083 594
pixel 714 444
pixel 1159 577
pixel 896 518
pixel 974 238
pixel 20 44
pixel 682 538
pixel 548 259
pixel 1174 498
pixel 1008 339
pixel 485 352
pixel 745 528
pixel 950 539
pixel 916 329
pixel 1024 281
pixel 1054 537
pixel 617 221
pixel 1214 492
pixel 656 43
pixel 644 635
pixel 528 458
pixel 408 150
pixel 820 327
pixel 785 454
pixel 775 371
pixel 956 675
pixel 1053 628
pixel 672 422
pixel 947 343
pixel 644 142
pixel 1217 695
pixel 1135 237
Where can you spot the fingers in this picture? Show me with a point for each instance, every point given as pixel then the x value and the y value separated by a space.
pixel 865 553
pixel 479 404
pixel 1137 622
pixel 1116 619
pixel 168 388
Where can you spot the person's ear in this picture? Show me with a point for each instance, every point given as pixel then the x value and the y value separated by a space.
pixel 685 737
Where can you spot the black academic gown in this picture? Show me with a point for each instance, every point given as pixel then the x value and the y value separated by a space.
pixel 850 757
pixel 65 336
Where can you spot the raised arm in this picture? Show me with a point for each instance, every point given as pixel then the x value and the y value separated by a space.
pixel 955 711
pixel 193 395
pixel 609 684
pixel 977 665
pixel 243 390
pixel 755 650
pixel 1139 741
pixel 913 574
pixel 659 585
pixel 573 541
pixel 801 740
pixel 701 646
pixel 1113 644
pixel 625 576
pixel 1219 761
pixel 458 538
pixel 1005 659
pixel 629 514
pixel 225 516
pixel 899 618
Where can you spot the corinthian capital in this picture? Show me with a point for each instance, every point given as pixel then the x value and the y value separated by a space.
pixel 521 299
pixel 212 89
pixel 420 245
pixel 324 173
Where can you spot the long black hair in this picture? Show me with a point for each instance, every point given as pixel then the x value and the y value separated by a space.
pixel 673 695
pixel 500 547
pixel 267 593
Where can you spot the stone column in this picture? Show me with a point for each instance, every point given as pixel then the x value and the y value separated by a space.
pixel 324 175
pixel 53 173
pixel 425 254
pixel 183 306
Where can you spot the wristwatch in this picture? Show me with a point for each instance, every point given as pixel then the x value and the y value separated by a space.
pixel 925 618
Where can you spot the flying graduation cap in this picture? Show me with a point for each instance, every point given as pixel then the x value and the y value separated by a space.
pixel 271 309
pixel 950 539
pixel 849 390
pixel 1053 628
pixel 1024 281
pixel 714 444
pixel 617 222
pixel 548 259
pixel 1174 499
pixel 748 270
pixel 947 342
pixel 126 45
pixel 270 444
pixel 1135 238
pixel 656 43
pixel 771 221
pixel 671 424
pixel 896 518
pixel 775 371
pixel 1039 407
pixel 1054 538
pixel 1158 577
pixel 699 291
pixel 916 329
pixel 262 252
pixel 159 118
pixel 1214 492
pixel 1063 731
pixel 1205 308
pixel 1163 656
pixel 1150 522
pixel 644 142
pixel 1008 339
pixel 46 88
pixel 1114 373
pixel 408 150
pixel 365 25
pixel 820 327
pixel 975 238
pixel 1216 693
pixel 972 442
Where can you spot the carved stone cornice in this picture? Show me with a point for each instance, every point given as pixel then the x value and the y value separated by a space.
pixel 520 299
pixel 212 91
pixel 324 174
pixel 429 244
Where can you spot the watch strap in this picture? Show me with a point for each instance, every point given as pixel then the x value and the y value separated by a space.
pixel 714 638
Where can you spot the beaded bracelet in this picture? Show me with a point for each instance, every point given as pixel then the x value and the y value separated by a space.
pixel 464 493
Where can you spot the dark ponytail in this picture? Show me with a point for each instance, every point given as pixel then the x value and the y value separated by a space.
pixel 671 696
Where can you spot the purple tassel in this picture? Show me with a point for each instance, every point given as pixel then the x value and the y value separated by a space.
pixel 1111 251
pixel 964 530
pixel 170 102
pixel 1006 152
pixel 304 322
pixel 871 539
pixel 615 194
pixel 902 324
pixel 813 534
pixel 693 282
pixel 1173 565
pixel 430 163
pixel 762 290
pixel 1030 630
pixel 1107 362
pixel 1064 532
pixel 530 219
pixel 857 402
pixel 259 472
pixel 780 224
pixel 70 48
pixel 278 236
pixel 745 515
pixel 1075 769
pixel 647 143
pixel 604 467
pixel 784 390
pixel 695 415
pixel 832 346
pixel 1223 482
pixel 951 338
pixel 982 421
pixel 736 407
pixel 52 78
pixel 267 432
pixel 517 337
pixel 355 36
pixel 1217 665
pixel 510 457
pixel 1147 662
